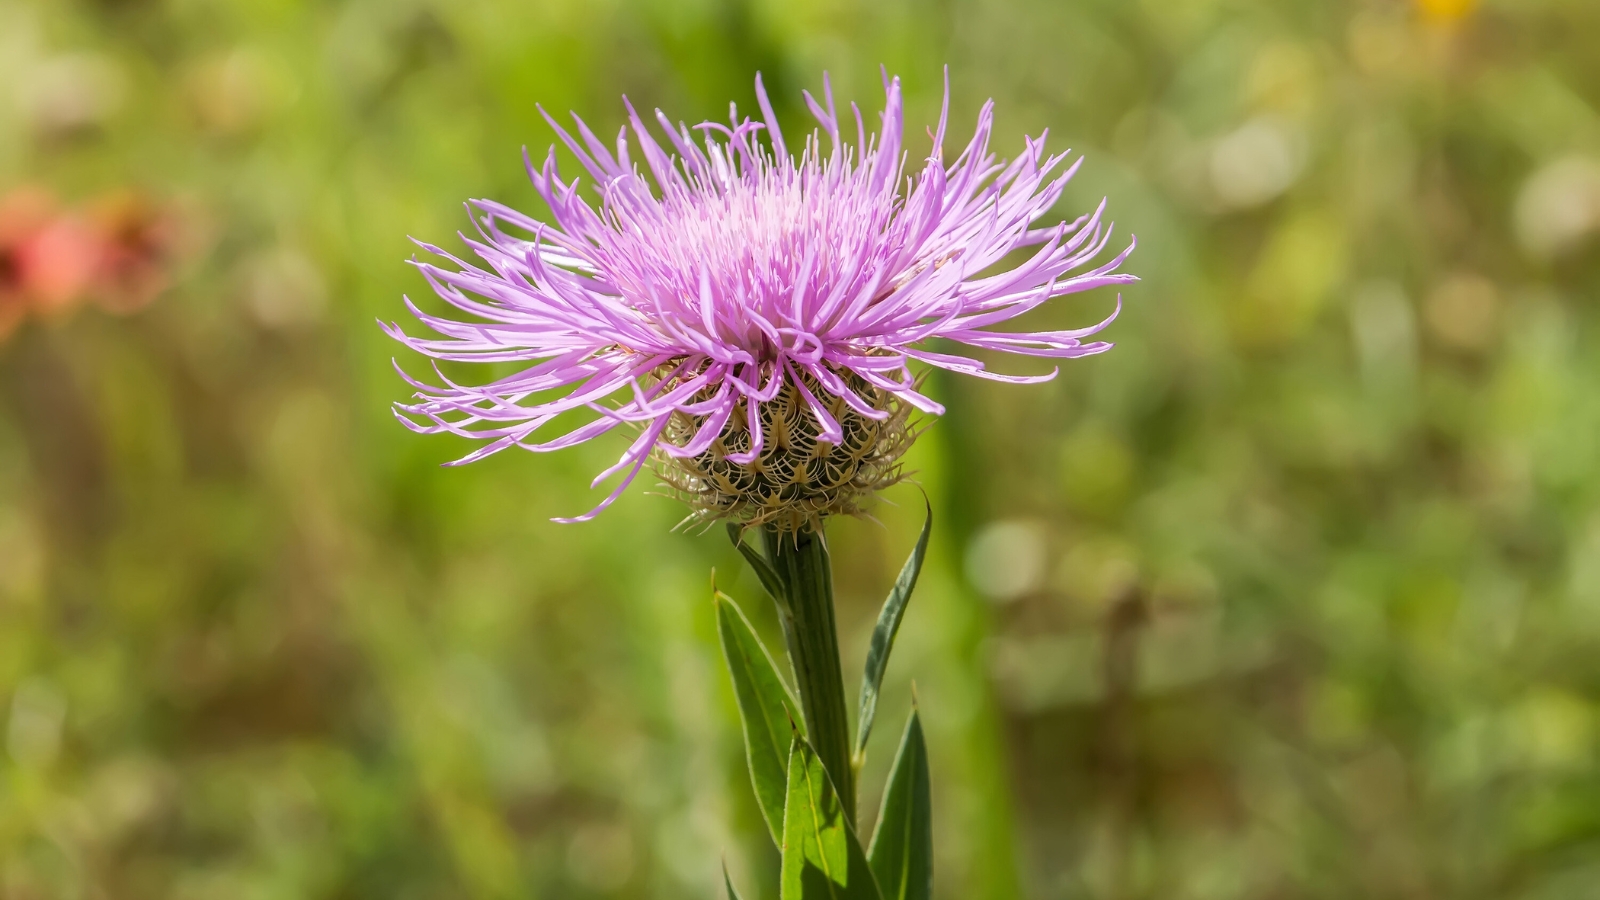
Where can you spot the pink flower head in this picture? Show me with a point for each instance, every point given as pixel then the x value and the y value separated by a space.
pixel 736 276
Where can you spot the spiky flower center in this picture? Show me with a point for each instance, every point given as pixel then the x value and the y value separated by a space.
pixel 797 478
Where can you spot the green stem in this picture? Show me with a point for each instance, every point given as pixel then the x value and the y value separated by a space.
pixel 801 561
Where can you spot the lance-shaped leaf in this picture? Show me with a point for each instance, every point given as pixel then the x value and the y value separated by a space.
pixel 766 708
pixel 822 859
pixel 763 569
pixel 728 880
pixel 902 846
pixel 894 609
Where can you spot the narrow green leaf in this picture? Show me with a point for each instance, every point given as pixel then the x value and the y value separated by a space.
pixel 728 880
pixel 822 860
pixel 902 846
pixel 766 708
pixel 894 609
pixel 764 571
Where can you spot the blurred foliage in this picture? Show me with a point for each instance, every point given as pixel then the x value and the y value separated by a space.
pixel 1295 594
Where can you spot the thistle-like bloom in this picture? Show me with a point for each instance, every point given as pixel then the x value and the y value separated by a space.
pixel 754 316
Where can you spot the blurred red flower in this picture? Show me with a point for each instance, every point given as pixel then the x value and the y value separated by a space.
pixel 119 253
pixel 138 242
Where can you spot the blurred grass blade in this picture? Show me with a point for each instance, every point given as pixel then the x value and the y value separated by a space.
pixel 728 880
pixel 894 609
pixel 766 708
pixel 822 860
pixel 902 846
pixel 764 571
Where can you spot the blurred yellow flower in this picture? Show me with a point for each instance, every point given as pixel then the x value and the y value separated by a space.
pixel 1447 10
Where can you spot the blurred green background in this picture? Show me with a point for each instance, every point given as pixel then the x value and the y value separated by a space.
pixel 1295 594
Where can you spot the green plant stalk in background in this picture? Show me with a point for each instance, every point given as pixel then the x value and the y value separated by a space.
pixel 803 765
